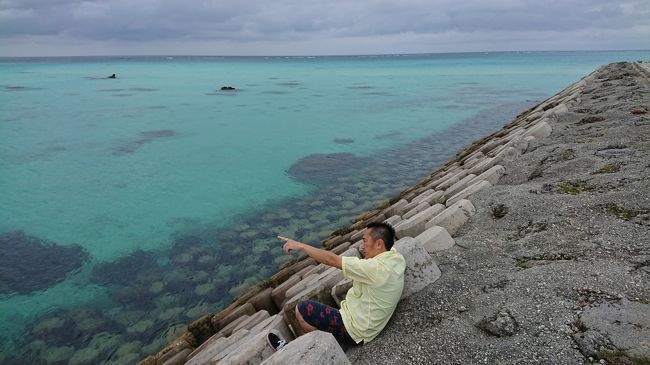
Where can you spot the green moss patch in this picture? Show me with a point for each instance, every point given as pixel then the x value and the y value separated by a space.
pixel 568 155
pixel 609 168
pixel 623 213
pixel 574 187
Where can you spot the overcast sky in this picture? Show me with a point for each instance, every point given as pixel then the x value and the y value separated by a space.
pixel 325 27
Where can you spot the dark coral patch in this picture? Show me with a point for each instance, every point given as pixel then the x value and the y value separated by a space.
pixel 125 269
pixel 145 137
pixel 320 168
pixel 343 140
pixel 158 134
pixel 30 263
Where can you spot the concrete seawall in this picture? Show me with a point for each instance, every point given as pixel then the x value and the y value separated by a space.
pixel 431 218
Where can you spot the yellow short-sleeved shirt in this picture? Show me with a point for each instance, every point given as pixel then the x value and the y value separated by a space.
pixel 377 285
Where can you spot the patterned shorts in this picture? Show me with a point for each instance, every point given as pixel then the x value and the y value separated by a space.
pixel 325 318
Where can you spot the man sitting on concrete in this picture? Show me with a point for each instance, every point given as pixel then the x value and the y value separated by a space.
pixel 377 283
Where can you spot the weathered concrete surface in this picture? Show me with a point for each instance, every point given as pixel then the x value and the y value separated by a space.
pixel 453 217
pixel 255 348
pixel 554 256
pixel 435 239
pixel 465 193
pixel 625 324
pixel 314 348
pixel 421 270
pixel 218 347
pixel 416 224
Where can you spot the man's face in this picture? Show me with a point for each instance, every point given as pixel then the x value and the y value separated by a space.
pixel 370 247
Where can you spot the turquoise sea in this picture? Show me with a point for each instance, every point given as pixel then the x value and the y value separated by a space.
pixel 131 206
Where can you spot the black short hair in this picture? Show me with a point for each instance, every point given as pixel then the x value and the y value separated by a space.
pixel 384 231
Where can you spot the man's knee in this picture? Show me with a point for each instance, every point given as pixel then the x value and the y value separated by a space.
pixel 306 326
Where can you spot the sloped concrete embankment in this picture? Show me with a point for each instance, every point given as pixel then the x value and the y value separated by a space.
pixel 427 217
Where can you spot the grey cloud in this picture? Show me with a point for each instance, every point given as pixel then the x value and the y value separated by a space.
pixel 262 20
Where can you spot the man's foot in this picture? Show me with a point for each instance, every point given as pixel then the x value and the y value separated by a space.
pixel 275 341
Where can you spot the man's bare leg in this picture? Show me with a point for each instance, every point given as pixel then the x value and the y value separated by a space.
pixel 306 327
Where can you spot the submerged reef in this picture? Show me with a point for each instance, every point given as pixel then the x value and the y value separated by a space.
pixel 31 263
pixel 321 168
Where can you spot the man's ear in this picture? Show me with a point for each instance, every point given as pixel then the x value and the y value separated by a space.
pixel 381 244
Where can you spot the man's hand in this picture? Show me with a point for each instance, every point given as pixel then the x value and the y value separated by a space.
pixel 290 245
pixel 320 255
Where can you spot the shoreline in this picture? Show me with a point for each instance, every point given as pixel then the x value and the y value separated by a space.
pixel 203 327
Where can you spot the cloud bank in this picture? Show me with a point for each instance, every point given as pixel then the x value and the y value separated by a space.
pixel 288 27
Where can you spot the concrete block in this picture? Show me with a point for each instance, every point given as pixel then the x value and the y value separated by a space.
pixel 514 133
pixel 316 287
pixel 170 356
pixel 479 185
pixel 519 143
pixel 330 277
pixel 472 163
pixel 497 150
pixel 230 327
pixel 473 157
pixel 417 209
pixel 557 110
pixel 492 175
pixel 279 293
pixel 253 320
pixel 317 269
pixel 491 145
pixel 264 301
pixel 206 354
pixel 539 130
pixel 230 348
pixel 314 348
pixel 304 270
pixel 308 281
pixel 357 235
pixel 421 270
pixel 319 293
pixel 508 154
pixel 415 225
pixel 341 248
pixel 395 209
pixel 436 197
pixel 534 116
pixel 353 250
pixel 482 167
pixel 340 290
pixel 249 351
pixel 254 348
pixel 435 239
pixel 274 323
pixel 453 217
pixel 393 220
pixel 422 196
pixel 460 185
pixel 177 359
pixel 246 308
pixel 453 179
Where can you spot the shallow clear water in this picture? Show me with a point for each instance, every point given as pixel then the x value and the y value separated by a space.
pixel 160 154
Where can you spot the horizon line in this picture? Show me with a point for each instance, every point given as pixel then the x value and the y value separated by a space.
pixel 326 55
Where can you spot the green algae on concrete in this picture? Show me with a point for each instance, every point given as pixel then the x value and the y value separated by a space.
pixel 574 187
pixel 623 213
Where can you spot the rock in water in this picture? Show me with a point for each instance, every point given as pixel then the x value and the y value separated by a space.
pixel 30 263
